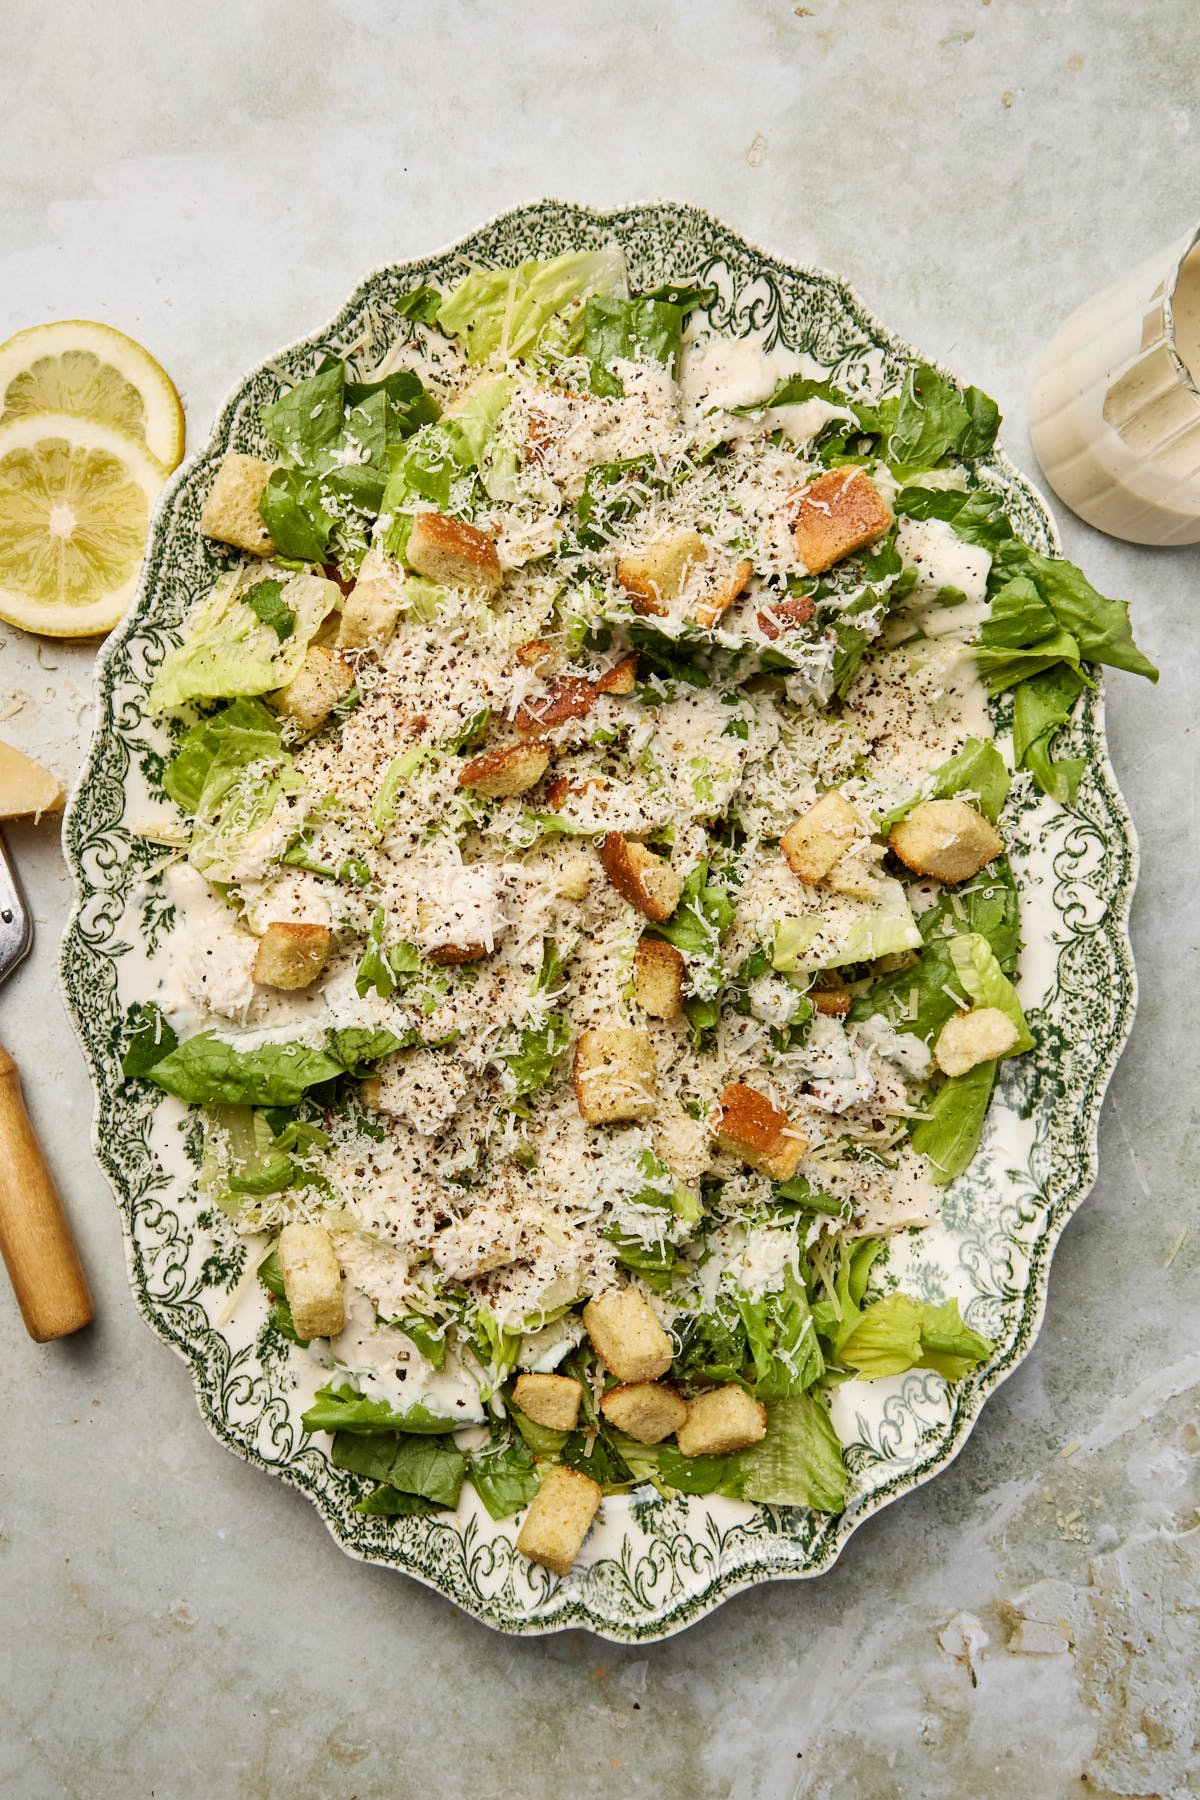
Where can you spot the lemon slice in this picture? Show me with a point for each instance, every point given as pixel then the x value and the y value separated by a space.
pixel 76 366
pixel 75 505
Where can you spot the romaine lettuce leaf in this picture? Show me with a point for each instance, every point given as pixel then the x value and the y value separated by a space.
pixel 424 471
pixel 977 770
pixel 1041 705
pixel 210 1071
pixel 504 1476
pixel 948 1136
pixel 899 1333
pixel 229 651
pixel 516 312
pixel 867 930
pixel 341 1409
pixel 641 331
pixel 713 1345
pixel 237 799
pixel 983 980
pixel 701 1474
pixel 799 1462
pixel 783 1340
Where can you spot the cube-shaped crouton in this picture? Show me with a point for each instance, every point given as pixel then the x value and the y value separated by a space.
pixel 315 689
pixel 783 617
pixel 654 575
pixel 540 655
pixel 717 600
pixel 974 1037
pixel 722 1420
pixel 749 1126
pixel 821 836
pixel 231 514
pixel 291 955
pixel 312 1281
pixel 946 839
pixel 683 1143
pixel 832 1003
pixel 835 515
pixel 620 679
pixel 372 605
pixel 512 769
pixel 615 1076
pixel 658 978
pixel 574 878
pixel 453 553
pixel 643 879
pixel 645 1410
pixel 550 1400
pixel 627 1336
pixel 559 1518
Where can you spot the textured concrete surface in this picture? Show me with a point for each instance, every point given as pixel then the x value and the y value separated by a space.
pixel 214 180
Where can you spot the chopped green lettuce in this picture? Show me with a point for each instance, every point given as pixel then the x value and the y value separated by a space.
pixel 504 1476
pixel 243 732
pixel 799 1462
pixel 948 1136
pixel 151 1038
pixel 986 984
pixel 210 1071
pixel 229 651
pixel 534 308
pixel 977 770
pixel 899 1333
pixel 343 1409
pixel 641 331
pixel 783 1340
pixel 1041 706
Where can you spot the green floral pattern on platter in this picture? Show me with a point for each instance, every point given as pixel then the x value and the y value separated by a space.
pixel 651 1566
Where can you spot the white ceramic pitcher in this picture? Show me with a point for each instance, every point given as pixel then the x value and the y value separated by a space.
pixel 1115 405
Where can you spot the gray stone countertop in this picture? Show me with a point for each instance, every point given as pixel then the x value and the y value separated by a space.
pixel 214 180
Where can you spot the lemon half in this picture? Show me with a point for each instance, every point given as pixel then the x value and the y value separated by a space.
pixel 77 366
pixel 75 504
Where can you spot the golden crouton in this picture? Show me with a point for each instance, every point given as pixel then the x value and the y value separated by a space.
pixel 832 1003
pixel 372 605
pixel 573 697
pixel 785 616
pixel 682 1142
pixel 559 1518
pixel 291 955
pixel 644 1410
pixel 512 769
pixel 834 515
pixel 540 655
pixel 615 1076
pixel 312 1281
pixel 315 689
pixel 231 514
pixel 720 1421
pixel 820 837
pixel 749 1126
pixel 574 878
pixel 974 1037
pixel 653 576
pixel 627 1336
pixel 550 1400
pixel 620 679
pixel 946 839
pixel 453 956
pixel 453 553
pixel 658 978
pixel 717 600
pixel 643 879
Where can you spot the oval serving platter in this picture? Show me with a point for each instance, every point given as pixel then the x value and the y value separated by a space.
pixel 651 1566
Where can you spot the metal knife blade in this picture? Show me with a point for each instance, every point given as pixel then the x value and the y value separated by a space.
pixel 16 926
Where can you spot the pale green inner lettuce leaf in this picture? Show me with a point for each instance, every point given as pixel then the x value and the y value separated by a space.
pixel 847 931
pixel 899 1333
pixel 987 985
pixel 230 651
pixel 237 801
pixel 507 312
pixel 799 1462
pixel 424 471
pixel 977 771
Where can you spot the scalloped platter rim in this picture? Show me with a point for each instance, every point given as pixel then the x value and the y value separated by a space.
pixel 652 1566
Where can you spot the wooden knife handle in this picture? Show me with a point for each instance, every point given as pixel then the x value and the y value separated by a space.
pixel 35 1238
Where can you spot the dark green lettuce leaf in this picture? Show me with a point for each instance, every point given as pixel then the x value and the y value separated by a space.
pixel 341 1409
pixel 150 1039
pixel 642 330
pixel 504 1476
pixel 1041 706
pixel 950 1132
